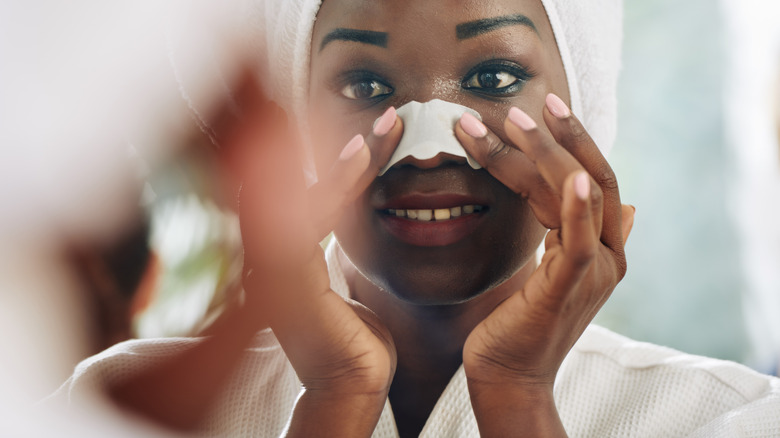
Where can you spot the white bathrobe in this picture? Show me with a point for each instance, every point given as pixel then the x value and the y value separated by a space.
pixel 608 386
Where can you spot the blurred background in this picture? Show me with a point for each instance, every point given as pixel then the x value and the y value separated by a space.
pixel 697 153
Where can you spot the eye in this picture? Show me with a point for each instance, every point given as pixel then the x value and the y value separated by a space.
pixel 497 78
pixel 491 79
pixel 365 89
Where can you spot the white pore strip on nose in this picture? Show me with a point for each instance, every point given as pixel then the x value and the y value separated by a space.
pixel 429 131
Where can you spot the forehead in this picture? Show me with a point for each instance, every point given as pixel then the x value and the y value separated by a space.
pixel 421 19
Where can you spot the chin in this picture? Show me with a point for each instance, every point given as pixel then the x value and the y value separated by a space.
pixel 437 277
pixel 432 287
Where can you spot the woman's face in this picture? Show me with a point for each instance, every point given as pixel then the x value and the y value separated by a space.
pixel 488 55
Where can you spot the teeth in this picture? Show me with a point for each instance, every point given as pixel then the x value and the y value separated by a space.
pixel 424 215
pixel 441 214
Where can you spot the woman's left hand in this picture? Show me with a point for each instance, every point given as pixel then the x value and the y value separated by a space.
pixel 512 357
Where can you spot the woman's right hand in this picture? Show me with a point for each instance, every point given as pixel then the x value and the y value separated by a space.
pixel 341 352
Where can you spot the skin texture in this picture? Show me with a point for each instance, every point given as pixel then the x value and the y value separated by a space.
pixel 416 313
pixel 425 60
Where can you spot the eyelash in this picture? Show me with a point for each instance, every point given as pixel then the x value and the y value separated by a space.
pixel 348 81
pixel 520 73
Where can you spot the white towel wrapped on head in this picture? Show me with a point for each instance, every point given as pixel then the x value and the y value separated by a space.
pixel 589 36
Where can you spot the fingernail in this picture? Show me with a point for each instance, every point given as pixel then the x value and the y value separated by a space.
pixel 582 186
pixel 557 107
pixel 521 119
pixel 385 123
pixel 352 148
pixel 472 126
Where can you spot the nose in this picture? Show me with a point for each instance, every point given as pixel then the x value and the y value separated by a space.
pixel 428 140
pixel 440 89
pixel 440 159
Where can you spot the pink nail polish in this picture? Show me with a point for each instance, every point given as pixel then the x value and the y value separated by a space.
pixel 352 148
pixel 521 119
pixel 472 126
pixel 582 186
pixel 385 123
pixel 557 107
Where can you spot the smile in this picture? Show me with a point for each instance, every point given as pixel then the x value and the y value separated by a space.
pixel 434 227
pixel 436 215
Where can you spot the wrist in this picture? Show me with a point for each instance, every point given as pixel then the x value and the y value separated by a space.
pixel 523 394
pixel 487 375
pixel 331 413
pixel 515 409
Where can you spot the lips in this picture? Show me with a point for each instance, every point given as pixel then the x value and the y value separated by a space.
pixel 433 207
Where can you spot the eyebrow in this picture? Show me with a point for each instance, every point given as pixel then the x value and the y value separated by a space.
pixel 361 36
pixel 478 27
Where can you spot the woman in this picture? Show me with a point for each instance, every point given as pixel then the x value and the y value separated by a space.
pixel 452 329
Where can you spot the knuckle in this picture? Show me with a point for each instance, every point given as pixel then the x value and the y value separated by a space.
pixel 606 178
pixel 497 150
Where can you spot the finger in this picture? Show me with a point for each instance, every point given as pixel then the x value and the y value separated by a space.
pixel 569 133
pixel 382 141
pixel 272 203
pixel 628 212
pixel 506 163
pixel 511 167
pixel 357 166
pixel 273 211
pixel 228 132
pixel 555 164
pixel 579 243
pixel 328 197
